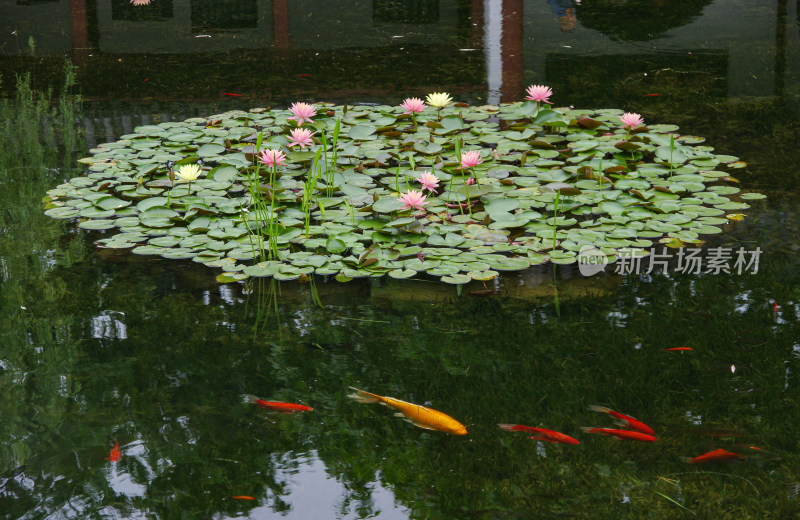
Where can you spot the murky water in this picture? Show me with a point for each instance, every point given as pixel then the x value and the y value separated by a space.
pixel 103 346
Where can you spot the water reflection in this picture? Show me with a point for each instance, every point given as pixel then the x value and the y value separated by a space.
pixel 98 346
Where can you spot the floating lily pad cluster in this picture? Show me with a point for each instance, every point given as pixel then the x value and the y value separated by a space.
pixel 619 190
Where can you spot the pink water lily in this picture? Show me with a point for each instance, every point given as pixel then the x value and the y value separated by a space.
pixel 429 181
pixel 140 2
pixel 631 120
pixel 300 137
pixel 413 199
pixel 413 105
pixel 471 159
pixel 302 112
pixel 539 93
pixel 272 157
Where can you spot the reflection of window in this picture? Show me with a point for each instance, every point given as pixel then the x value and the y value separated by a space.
pixel 209 15
pixel 155 11
pixel 405 11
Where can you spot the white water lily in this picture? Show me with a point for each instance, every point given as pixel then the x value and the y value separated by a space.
pixel 188 172
pixel 439 99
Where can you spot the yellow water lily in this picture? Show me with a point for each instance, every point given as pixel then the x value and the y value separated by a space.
pixel 439 99
pixel 189 172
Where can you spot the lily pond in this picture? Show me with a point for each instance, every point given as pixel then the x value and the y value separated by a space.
pixel 557 240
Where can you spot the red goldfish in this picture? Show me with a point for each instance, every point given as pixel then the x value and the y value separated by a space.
pixel 542 434
pixel 719 454
pixel 115 454
pixel 678 349
pixel 276 406
pixel 243 497
pixel 417 415
pixel 621 434
pixel 624 420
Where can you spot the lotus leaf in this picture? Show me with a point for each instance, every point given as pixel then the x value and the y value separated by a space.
pixel 614 194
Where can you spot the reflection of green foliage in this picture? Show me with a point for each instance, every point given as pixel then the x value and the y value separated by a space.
pixel 37 136
pixel 169 394
pixel 638 20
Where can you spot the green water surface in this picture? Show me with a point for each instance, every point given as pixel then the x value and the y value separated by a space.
pixel 100 346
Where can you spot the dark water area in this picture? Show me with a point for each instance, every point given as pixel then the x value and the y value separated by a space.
pixel 102 346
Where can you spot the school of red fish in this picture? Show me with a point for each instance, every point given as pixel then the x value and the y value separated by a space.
pixel 430 419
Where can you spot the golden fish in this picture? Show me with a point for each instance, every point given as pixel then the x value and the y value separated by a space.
pixel 415 414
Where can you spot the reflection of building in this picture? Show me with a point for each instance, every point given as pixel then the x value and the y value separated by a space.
pixel 475 46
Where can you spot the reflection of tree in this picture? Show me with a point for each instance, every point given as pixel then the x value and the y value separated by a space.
pixel 637 20
pixel 38 350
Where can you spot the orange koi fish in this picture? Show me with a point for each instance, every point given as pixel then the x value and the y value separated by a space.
pixel 243 497
pixel 719 454
pixel 542 434
pixel 276 406
pixel 624 420
pixel 621 434
pixel 115 454
pixel 678 349
pixel 417 415
pixel 775 307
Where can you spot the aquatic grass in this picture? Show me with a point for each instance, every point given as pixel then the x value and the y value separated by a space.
pixel 464 178
pixel 314 174
pixel 671 152
pixel 555 217
pixel 330 166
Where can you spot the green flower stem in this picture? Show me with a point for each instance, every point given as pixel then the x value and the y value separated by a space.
pixel 475 176
pixel 469 201
pixel 273 240
pixel 555 216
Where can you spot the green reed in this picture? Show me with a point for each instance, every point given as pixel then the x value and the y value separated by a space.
pixel 330 166
pixel 263 213
pixel 464 177
pixel 555 217
pixel 314 174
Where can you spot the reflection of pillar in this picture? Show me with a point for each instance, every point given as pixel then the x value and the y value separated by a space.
pixel 476 22
pixel 80 31
pixel 511 44
pixel 280 24
pixel 780 49
pixel 492 34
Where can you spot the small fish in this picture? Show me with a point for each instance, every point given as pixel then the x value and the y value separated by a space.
pixel 624 420
pixel 242 497
pixel 678 349
pixel 759 453
pixel 304 75
pixel 651 95
pixel 115 454
pixel 417 415
pixel 775 307
pixel 230 94
pixel 621 434
pixel 276 406
pixel 542 434
pixel 719 454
